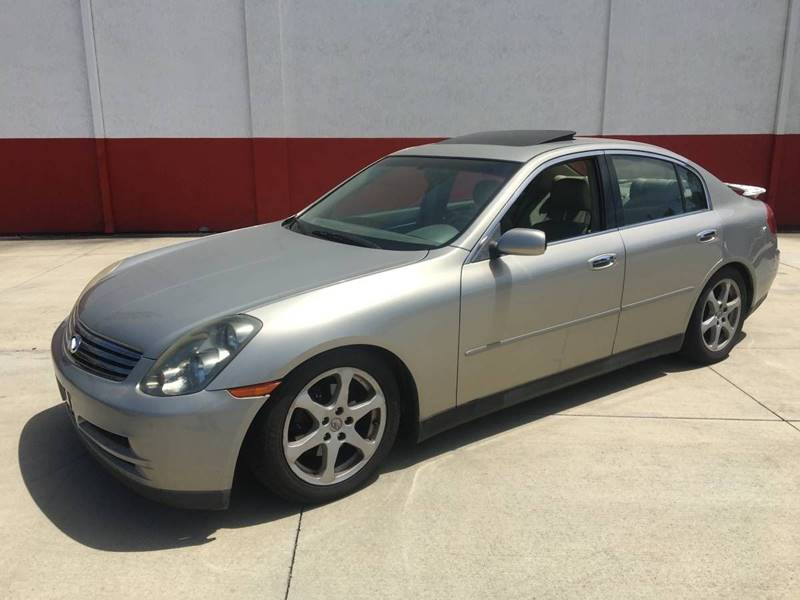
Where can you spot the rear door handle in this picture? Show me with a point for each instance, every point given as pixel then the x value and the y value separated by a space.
pixel 708 235
pixel 603 261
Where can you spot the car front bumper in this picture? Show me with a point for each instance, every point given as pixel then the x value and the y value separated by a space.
pixel 179 450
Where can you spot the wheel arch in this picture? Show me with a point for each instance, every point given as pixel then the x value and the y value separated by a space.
pixel 747 276
pixel 740 268
pixel 409 396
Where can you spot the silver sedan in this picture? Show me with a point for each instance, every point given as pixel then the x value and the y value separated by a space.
pixel 437 285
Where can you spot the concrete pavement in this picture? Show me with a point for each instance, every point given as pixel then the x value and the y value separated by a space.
pixel 660 480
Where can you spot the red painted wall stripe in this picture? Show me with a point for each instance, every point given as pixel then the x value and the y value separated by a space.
pixel 188 184
pixel 49 186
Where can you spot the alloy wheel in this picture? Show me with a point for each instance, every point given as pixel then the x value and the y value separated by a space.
pixel 334 426
pixel 722 311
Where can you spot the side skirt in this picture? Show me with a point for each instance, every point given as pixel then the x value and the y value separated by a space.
pixel 475 409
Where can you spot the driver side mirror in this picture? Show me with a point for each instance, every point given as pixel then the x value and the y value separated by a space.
pixel 520 241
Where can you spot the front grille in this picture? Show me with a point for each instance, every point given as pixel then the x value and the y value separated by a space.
pixel 99 355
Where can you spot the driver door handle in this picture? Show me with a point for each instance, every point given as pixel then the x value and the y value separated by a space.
pixel 708 235
pixel 603 261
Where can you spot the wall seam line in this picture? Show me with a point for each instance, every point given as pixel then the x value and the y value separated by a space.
pixel 784 77
pixel 779 122
pixel 284 115
pixel 253 160
pixel 98 116
pixel 605 72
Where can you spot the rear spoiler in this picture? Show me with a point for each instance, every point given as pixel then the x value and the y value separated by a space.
pixel 748 191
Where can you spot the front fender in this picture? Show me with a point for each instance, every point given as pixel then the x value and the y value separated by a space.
pixel 411 311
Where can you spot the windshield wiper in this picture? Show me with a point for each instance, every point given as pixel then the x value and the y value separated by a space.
pixel 344 238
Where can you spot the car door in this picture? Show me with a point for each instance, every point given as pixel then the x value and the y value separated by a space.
pixel 672 243
pixel 526 317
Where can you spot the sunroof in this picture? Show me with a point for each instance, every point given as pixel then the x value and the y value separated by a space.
pixel 515 137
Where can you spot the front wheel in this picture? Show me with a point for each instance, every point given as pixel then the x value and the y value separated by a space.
pixel 325 431
pixel 717 318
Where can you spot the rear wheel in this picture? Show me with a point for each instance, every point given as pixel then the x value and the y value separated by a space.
pixel 717 318
pixel 327 428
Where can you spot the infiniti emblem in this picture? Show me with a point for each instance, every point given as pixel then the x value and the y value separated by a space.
pixel 74 343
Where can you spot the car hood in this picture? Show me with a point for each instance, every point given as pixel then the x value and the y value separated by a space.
pixel 153 298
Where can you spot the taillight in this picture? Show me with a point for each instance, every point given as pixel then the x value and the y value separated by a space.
pixel 771 223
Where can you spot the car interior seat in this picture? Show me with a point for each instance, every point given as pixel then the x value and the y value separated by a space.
pixel 650 199
pixel 568 210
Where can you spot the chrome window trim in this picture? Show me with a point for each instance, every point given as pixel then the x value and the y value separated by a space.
pixel 671 159
pixel 662 219
pixel 477 254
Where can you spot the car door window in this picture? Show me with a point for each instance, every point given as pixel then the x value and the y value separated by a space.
pixel 694 195
pixel 563 201
pixel 648 188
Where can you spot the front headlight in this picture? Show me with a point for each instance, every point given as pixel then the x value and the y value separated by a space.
pixel 194 360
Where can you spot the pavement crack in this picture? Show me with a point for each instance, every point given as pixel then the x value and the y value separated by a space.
pixel 23 283
pixel 24 350
pixel 294 553
pixel 756 400
pixel 664 417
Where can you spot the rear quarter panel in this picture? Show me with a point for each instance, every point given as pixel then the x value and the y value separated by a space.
pixel 745 236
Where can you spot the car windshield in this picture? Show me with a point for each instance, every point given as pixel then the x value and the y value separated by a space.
pixel 406 202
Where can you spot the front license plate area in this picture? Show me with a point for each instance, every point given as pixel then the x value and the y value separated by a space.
pixel 65 397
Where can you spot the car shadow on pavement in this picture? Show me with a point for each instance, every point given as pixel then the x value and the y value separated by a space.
pixel 526 412
pixel 90 506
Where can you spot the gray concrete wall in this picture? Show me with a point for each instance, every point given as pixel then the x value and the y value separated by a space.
pixel 205 68
pixel 172 69
pixel 44 89
pixel 685 66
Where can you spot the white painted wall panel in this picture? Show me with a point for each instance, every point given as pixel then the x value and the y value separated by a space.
pixel 172 68
pixel 179 68
pixel 411 68
pixel 685 66
pixel 264 41
pixel 790 117
pixel 43 83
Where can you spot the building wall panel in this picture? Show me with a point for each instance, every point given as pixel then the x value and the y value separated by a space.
pixel 43 81
pixel 409 68
pixel 694 67
pixel 181 184
pixel 144 115
pixel 172 69
pixel 49 185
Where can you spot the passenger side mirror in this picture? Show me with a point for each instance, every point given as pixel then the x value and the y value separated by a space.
pixel 520 241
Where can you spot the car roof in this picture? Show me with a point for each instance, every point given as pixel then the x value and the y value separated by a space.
pixel 522 145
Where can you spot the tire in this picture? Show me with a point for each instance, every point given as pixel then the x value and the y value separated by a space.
pixel 716 319
pixel 307 423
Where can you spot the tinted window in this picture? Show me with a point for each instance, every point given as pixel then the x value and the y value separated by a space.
pixel 563 201
pixel 407 202
pixel 694 196
pixel 648 188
